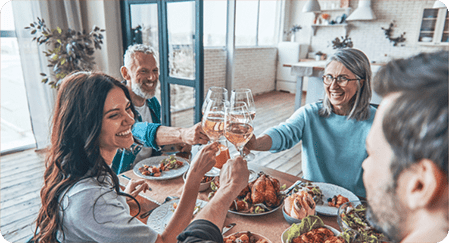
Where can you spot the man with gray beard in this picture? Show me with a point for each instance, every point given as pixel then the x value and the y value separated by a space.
pixel 141 74
pixel 406 171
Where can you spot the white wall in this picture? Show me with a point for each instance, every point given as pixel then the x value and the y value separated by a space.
pixel 368 35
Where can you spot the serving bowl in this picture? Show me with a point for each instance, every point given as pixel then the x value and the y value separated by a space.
pixel 352 220
pixel 203 186
pixel 254 236
pixel 284 235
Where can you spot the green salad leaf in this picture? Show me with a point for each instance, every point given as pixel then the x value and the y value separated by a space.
pixel 307 224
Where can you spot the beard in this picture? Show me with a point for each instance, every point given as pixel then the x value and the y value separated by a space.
pixel 137 89
pixel 389 213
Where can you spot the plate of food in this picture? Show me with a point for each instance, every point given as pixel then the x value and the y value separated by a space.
pixel 354 225
pixel 161 167
pixel 327 197
pixel 260 197
pixel 161 216
pixel 246 236
pixel 311 229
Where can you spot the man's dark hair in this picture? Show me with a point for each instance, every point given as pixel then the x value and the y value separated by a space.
pixel 416 124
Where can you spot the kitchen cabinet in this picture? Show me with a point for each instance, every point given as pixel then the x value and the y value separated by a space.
pixel 434 28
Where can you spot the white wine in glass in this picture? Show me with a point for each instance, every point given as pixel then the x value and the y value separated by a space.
pixel 238 127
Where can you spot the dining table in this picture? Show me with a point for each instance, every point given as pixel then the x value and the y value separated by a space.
pixel 270 225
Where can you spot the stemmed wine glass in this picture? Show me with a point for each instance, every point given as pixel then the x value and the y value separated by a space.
pixel 214 93
pixel 213 124
pixel 238 128
pixel 245 96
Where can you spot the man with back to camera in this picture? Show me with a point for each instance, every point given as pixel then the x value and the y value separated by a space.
pixel 141 74
pixel 406 172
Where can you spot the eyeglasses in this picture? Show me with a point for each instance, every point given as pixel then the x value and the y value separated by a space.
pixel 341 80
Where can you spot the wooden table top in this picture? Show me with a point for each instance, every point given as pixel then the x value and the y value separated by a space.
pixel 270 225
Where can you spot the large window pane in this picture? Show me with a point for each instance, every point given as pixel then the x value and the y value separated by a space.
pixel 246 23
pixel 144 22
pixel 214 24
pixel 181 31
pixel 268 19
pixel 15 119
pixel 182 102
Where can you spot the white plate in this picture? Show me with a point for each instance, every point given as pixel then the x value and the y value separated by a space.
pixel 165 175
pixel 161 216
pixel 329 191
pixel 257 214
pixel 284 235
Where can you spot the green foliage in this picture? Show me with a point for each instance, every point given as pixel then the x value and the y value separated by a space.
pixel 68 50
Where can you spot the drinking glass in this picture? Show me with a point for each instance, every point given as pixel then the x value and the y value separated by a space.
pixel 213 124
pixel 238 126
pixel 214 93
pixel 245 96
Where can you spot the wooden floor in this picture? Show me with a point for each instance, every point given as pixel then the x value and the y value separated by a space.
pixel 21 174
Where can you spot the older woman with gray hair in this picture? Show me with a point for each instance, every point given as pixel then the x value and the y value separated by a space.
pixel 333 131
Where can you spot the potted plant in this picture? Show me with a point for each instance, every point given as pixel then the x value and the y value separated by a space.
pixel 293 31
pixel 68 50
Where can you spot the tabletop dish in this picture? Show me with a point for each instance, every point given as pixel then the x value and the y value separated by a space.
pixel 260 197
pixel 354 225
pixel 290 219
pixel 329 191
pixel 165 175
pixel 162 215
pixel 203 185
pixel 311 221
pixel 253 237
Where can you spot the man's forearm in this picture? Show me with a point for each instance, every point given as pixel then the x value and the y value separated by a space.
pixel 168 135
pixel 217 208
pixel 263 143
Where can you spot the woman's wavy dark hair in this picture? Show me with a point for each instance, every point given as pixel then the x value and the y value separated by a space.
pixel 75 152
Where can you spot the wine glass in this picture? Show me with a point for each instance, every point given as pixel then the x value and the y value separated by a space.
pixel 214 93
pixel 238 126
pixel 245 96
pixel 213 124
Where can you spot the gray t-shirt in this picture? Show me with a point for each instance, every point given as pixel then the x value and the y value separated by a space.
pixel 107 221
pixel 146 152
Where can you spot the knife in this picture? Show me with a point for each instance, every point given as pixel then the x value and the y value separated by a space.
pixel 227 228
pixel 288 190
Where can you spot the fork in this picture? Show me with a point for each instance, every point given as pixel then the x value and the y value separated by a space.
pixel 169 198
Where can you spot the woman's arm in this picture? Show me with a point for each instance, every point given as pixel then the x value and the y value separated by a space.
pixel 182 216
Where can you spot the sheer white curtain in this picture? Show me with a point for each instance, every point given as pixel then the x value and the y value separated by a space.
pixel 40 96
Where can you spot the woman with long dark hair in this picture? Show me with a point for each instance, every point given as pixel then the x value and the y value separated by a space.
pixel 81 198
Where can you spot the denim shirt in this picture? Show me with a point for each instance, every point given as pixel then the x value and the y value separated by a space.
pixel 145 133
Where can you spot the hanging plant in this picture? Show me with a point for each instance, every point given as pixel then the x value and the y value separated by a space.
pixel 68 50
pixel 395 40
pixel 343 43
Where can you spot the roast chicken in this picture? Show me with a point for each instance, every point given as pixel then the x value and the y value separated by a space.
pixel 266 190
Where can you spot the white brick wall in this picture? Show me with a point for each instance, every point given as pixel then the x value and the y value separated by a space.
pixel 255 68
pixel 368 35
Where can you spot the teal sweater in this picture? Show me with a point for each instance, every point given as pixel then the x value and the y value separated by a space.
pixel 333 148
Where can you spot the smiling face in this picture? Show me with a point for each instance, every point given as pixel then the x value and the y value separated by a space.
pixel 339 96
pixel 118 119
pixel 386 210
pixel 143 75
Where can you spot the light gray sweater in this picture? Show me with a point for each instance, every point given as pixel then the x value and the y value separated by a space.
pixel 95 213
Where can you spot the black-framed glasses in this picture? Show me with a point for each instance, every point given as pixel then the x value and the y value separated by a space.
pixel 341 80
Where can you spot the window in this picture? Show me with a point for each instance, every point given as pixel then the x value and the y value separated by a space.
pixel 15 120
pixel 257 22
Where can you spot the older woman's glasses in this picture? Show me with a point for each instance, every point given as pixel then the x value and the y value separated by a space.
pixel 341 80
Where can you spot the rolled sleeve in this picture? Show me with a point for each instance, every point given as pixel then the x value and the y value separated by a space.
pixel 145 132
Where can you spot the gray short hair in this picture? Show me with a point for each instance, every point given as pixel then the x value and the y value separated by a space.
pixel 357 62
pixel 137 48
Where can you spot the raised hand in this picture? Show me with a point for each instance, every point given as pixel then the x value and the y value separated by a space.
pixel 204 159
pixel 194 135
pixel 234 175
